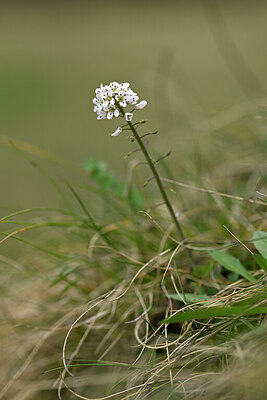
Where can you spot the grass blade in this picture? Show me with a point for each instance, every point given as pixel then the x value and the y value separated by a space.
pixel 260 242
pixel 190 297
pixel 214 312
pixel 261 261
pixel 231 263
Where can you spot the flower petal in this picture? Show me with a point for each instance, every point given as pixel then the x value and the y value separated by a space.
pixel 141 105
pixel 117 131
pixel 116 112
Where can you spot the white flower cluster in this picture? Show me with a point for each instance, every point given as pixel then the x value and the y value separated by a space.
pixel 108 96
pixel 110 99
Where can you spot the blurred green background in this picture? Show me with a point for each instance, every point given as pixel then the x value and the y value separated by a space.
pixel 200 64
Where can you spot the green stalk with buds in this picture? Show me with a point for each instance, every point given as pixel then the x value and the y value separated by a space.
pixel 110 101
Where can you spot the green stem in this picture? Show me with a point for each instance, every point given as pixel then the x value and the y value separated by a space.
pixel 160 186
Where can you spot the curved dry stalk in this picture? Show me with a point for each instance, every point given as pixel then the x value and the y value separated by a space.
pixel 92 320
pixel 120 253
pixel 169 262
pixel 103 298
pixel 141 270
pixel 113 328
pixel 165 237
pixel 167 347
pixel 145 312
pixel 101 398
pixel 221 194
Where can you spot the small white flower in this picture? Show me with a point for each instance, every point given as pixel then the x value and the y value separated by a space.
pixel 125 85
pixel 114 86
pixel 131 98
pixel 141 105
pixel 101 114
pixel 128 116
pixel 117 131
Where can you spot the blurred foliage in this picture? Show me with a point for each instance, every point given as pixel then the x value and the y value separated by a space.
pixel 99 172
pixel 54 54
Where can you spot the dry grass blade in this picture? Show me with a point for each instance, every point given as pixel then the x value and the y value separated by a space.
pixel 214 192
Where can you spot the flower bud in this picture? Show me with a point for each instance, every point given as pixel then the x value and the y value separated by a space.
pixel 141 105
pixel 117 131
pixel 128 116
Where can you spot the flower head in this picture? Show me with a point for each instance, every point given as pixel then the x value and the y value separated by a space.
pixel 108 99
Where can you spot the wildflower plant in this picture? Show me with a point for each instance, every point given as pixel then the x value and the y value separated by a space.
pixel 111 101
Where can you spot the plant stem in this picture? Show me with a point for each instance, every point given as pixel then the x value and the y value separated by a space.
pixel 160 186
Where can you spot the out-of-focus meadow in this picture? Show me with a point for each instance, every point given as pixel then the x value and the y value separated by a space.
pixel 201 65
pixel 200 68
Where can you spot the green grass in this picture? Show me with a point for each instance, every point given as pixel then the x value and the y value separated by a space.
pixel 119 276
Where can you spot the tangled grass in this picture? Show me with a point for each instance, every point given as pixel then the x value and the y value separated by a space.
pixel 100 329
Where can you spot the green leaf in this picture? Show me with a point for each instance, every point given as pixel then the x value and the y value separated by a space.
pixel 90 164
pixel 136 200
pixel 231 263
pixel 203 270
pixel 190 297
pixel 261 261
pixel 260 242
pixel 120 188
pixel 99 172
pixel 214 312
pixel 63 275
pixel 258 297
